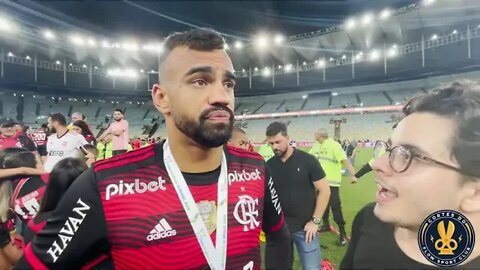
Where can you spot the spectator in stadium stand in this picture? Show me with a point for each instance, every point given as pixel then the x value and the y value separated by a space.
pixel 303 191
pixel 195 95
pixel 239 138
pixel 10 138
pixel 82 128
pixel 39 137
pixel 119 132
pixel 59 180
pixel 430 165
pixel 331 157
pixel 62 143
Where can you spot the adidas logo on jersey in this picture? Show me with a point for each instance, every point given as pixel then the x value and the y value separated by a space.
pixel 161 230
pixel 243 176
pixel 136 187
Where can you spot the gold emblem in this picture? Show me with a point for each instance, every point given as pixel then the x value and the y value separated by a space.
pixel 208 212
pixel 446 245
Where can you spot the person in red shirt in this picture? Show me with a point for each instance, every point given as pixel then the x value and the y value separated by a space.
pixel 137 143
pixel 10 138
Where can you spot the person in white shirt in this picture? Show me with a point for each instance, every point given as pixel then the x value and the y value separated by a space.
pixel 62 143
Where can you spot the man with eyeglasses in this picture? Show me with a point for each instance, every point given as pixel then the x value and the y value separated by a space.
pixel 431 163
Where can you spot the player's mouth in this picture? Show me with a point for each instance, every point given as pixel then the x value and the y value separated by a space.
pixel 219 117
pixel 385 193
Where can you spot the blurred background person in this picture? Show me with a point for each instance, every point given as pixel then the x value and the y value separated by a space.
pixel 82 128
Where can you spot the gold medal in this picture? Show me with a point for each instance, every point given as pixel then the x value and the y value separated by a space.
pixel 208 212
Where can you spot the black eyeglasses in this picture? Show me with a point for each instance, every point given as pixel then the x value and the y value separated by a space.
pixel 400 157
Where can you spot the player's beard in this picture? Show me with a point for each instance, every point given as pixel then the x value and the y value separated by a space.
pixel 280 153
pixel 204 133
pixel 52 130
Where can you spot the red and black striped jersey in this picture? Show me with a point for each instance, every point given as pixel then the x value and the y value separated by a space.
pixel 127 207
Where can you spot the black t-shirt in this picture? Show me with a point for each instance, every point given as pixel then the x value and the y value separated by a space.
pixel 373 246
pixel 294 182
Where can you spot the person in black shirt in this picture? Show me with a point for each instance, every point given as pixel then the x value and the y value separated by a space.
pixel 298 177
pixel 430 165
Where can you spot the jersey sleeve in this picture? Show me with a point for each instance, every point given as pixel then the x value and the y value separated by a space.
pixel 315 171
pixel 278 249
pixel 74 234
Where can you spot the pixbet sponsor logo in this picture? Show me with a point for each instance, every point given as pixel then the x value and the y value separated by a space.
pixel 243 176
pixel 132 188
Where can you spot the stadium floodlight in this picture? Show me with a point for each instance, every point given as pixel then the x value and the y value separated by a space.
pixel 95 67
pixel 385 14
pixel 130 73
pixel 455 32
pixel 304 63
pixel 116 45
pixel 5 25
pixel 10 54
pixel 321 63
pixel 374 55
pixel 130 46
pixel 49 35
pixel 279 39
pixel 92 42
pixel 334 94
pixel 280 67
pixel 238 45
pixel 288 67
pixel 428 2
pixel 226 47
pixel 261 41
pixel 350 24
pixel 106 44
pixel 367 19
pixel 359 56
pixel 266 72
pixel 70 64
pixel 331 59
pixel 392 52
pixel 153 47
pixel 344 57
pixel 256 69
pixel 305 96
pixel 142 71
pixel 27 57
pixel 57 62
pixel 84 66
pixel 77 40
pixel 434 37
pixel 243 70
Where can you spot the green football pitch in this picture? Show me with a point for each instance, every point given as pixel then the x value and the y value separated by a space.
pixel 354 197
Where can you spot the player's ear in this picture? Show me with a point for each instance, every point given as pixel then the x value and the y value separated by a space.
pixel 471 200
pixel 160 99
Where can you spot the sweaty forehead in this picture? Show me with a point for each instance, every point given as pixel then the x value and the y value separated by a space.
pixel 431 133
pixel 182 59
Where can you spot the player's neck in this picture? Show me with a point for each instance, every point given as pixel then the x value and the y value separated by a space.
pixel 61 131
pixel 192 157
pixel 288 154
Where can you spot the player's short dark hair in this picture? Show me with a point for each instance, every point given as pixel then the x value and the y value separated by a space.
pixel 9 151
pixel 461 103
pixel 59 118
pixel 201 39
pixel 20 159
pixel 118 110
pixel 62 176
pixel 275 128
